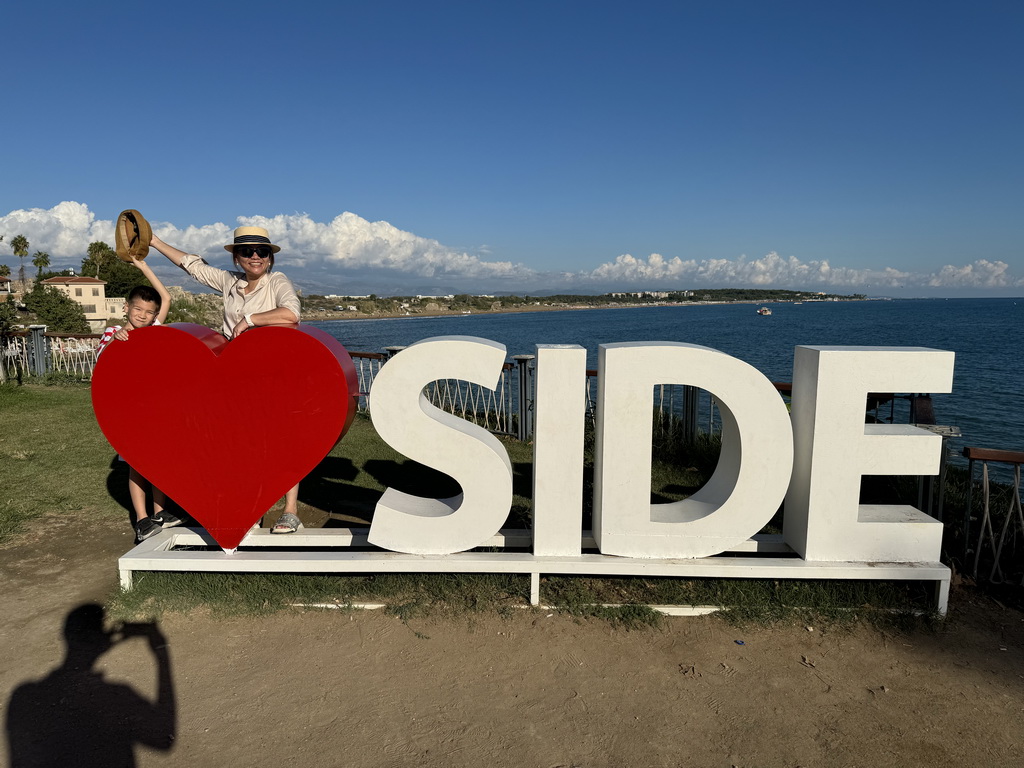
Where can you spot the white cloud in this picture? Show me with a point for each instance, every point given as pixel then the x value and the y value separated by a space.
pixel 348 245
pixel 352 254
pixel 769 270
pixel 790 272
pixel 980 274
pixel 350 241
pixel 63 231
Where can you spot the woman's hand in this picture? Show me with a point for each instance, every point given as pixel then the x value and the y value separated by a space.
pixel 241 327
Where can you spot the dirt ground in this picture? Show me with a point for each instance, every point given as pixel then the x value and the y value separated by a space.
pixel 336 689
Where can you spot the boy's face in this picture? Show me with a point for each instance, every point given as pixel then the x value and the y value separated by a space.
pixel 141 313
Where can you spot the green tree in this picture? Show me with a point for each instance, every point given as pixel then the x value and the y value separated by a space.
pixel 40 261
pixel 205 309
pixel 8 317
pixel 121 277
pixel 20 247
pixel 100 256
pixel 5 271
pixel 55 310
pixel 102 263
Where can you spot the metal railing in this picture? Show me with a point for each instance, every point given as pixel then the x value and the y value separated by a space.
pixel 73 354
pixel 14 356
pixel 493 409
pixel 1006 549
pixel 37 353
pixel 490 408
pixel 507 409
pixel 368 365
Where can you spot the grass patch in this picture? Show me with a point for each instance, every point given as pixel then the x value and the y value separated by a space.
pixel 822 602
pixel 231 594
pixel 622 602
pixel 585 597
pixel 54 457
pixel 629 617
pixel 64 379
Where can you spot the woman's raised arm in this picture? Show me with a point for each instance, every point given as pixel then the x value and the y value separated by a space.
pixel 169 251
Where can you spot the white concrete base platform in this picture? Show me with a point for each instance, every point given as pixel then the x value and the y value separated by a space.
pixel 329 550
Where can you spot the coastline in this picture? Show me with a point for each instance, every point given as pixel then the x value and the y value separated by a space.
pixel 319 315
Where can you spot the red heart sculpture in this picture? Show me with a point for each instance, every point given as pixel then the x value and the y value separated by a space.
pixel 225 428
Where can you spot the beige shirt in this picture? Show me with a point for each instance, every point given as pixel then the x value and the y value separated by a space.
pixel 273 291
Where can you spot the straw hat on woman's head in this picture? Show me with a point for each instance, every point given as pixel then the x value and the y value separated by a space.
pixel 251 236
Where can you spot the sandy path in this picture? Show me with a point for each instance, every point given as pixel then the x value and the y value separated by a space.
pixel 339 689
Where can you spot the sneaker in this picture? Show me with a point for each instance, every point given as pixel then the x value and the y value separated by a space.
pixel 145 528
pixel 166 520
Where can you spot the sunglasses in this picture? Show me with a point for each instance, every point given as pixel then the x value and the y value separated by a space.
pixel 248 251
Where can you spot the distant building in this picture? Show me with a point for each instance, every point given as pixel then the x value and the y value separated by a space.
pixel 5 286
pixel 91 294
pixel 642 295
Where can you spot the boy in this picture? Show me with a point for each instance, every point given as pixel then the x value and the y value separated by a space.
pixel 145 306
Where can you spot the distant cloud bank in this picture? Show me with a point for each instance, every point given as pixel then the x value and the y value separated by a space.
pixel 775 271
pixel 352 255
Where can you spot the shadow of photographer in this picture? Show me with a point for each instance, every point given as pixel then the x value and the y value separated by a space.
pixel 74 716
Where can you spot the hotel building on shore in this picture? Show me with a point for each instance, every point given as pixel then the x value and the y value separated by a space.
pixel 91 294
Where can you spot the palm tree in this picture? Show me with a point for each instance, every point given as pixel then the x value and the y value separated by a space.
pixel 40 261
pixel 100 254
pixel 20 247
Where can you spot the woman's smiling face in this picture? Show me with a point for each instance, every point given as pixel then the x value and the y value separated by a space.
pixel 255 261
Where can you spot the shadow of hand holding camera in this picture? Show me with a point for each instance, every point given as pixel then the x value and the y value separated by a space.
pixel 74 716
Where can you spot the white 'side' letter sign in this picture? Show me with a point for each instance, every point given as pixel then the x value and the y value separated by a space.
pixel 470 454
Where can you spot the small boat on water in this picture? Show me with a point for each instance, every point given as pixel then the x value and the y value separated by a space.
pixel 764 311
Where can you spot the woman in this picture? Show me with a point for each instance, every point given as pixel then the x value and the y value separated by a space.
pixel 252 297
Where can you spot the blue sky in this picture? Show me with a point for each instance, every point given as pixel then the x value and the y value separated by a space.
pixel 431 147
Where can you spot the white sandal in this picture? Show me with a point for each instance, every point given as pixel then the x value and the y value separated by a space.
pixel 287 523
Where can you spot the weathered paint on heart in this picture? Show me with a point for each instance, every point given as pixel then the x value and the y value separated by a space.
pixel 225 428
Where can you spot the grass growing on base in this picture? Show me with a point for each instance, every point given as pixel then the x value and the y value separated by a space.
pixel 754 601
pixel 623 602
pixel 232 594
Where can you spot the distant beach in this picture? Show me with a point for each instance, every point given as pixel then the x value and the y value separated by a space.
pixel 323 315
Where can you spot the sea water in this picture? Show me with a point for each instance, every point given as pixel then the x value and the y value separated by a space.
pixel 987 402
